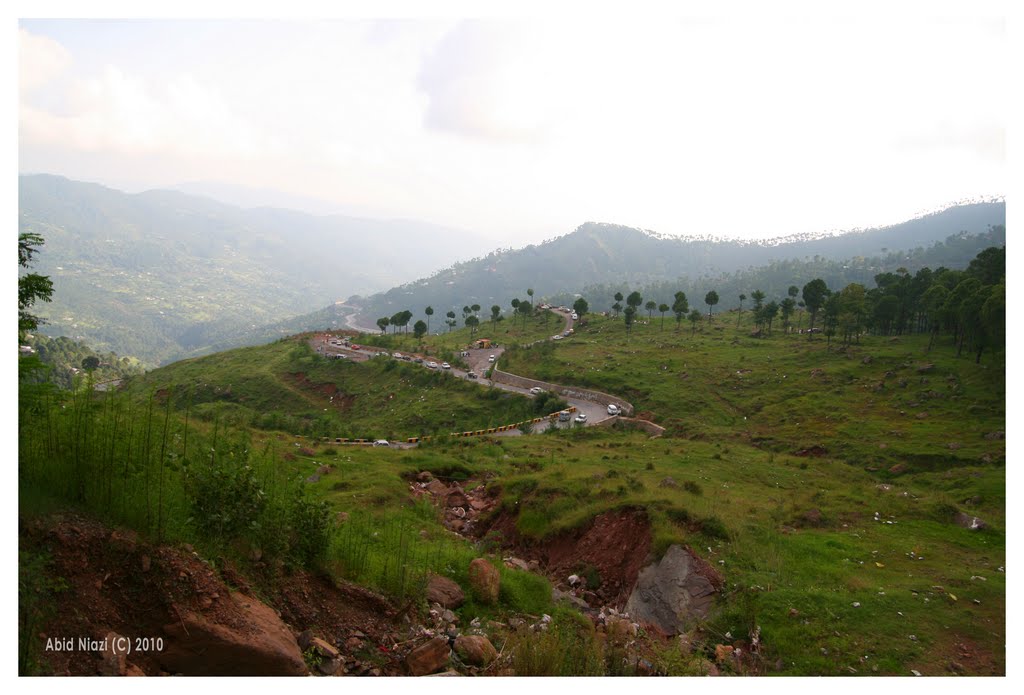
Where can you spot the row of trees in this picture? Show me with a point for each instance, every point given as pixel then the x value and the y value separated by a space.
pixel 969 305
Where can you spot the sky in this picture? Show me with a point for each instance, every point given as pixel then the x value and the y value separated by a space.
pixel 521 129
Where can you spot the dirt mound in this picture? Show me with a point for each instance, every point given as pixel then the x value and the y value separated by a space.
pixel 608 552
pixel 335 396
pixel 114 582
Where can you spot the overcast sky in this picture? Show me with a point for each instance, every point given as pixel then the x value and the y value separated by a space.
pixel 522 130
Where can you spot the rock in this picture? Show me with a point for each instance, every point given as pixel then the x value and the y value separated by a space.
pixel 723 652
pixel 475 650
pixel 304 639
pixel 449 617
pixel 323 470
pixel 456 525
pixel 517 564
pixel 478 505
pixel 256 643
pixel 485 580
pixel 457 498
pixel 668 482
pixel 425 476
pixel 329 667
pixel 898 468
pixel 134 670
pixel 444 591
pixel 708 668
pixel 428 658
pixel 449 672
pixel 313 478
pixel 353 644
pixel 437 488
pixel 558 596
pixel 998 434
pixel 969 522
pixel 672 594
pixel 113 658
pixel 124 540
pixel 324 649
pixel 619 628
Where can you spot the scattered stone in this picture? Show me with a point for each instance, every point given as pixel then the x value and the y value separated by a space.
pixel 353 644
pixel 444 591
pixel 517 564
pixel 304 638
pixel 558 596
pixel 436 487
pixel 324 649
pixel 329 667
pixel 428 658
pixel 475 650
pixel 457 498
pixel 485 580
pixel 668 482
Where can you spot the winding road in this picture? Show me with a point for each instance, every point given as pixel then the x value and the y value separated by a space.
pixel 479 362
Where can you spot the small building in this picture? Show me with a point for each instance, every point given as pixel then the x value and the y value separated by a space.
pixel 483 344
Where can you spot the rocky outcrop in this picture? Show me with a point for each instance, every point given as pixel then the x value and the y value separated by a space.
pixel 674 593
pixel 255 643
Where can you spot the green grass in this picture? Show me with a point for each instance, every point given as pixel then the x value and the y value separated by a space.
pixel 286 386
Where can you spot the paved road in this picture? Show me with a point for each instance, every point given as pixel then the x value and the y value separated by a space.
pixel 479 362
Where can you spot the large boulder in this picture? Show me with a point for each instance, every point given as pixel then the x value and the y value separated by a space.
pixel 485 580
pixel 674 593
pixel 444 591
pixel 254 643
pixel 428 658
pixel 475 650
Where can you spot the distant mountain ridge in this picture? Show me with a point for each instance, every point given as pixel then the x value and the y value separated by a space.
pixel 600 253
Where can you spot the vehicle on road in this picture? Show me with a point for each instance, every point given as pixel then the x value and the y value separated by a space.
pixel 431 365
pixel 382 442
pixel 418 360
pixel 471 375
pixel 445 365
pixel 582 417
pixel 613 409
pixel 397 355
pixel 556 337
pixel 491 358
pixel 564 416
pixel 575 317
pixel 354 346
pixel 536 390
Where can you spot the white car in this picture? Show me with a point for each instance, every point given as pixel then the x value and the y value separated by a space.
pixel 491 358
pixel 556 337
pixel 613 409
pixel 397 355
pixel 536 390
pixel 445 365
pixel 382 442
pixel 431 365
pixel 575 317
pixel 582 417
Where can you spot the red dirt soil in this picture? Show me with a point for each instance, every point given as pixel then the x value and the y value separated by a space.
pixel 616 544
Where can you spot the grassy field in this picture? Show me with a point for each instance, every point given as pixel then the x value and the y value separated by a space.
pixel 799 541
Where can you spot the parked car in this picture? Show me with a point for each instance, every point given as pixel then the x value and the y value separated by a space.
pixel 491 358
pixel 419 360
pixel 382 442
pixel 564 416
pixel 582 417
pixel 445 365
pixel 471 375
pixel 574 316
pixel 613 409
pixel 431 365
pixel 536 390
pixel 556 337
pixel 397 355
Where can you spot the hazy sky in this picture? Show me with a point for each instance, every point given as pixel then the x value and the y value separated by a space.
pixel 521 130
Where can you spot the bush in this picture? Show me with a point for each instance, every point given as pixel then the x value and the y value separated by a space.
pixel 225 496
pixel 693 487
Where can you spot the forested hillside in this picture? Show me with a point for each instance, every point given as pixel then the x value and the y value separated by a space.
pixel 161 273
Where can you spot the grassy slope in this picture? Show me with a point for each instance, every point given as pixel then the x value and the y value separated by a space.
pixel 262 387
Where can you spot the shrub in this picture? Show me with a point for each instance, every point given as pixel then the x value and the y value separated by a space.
pixel 693 487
